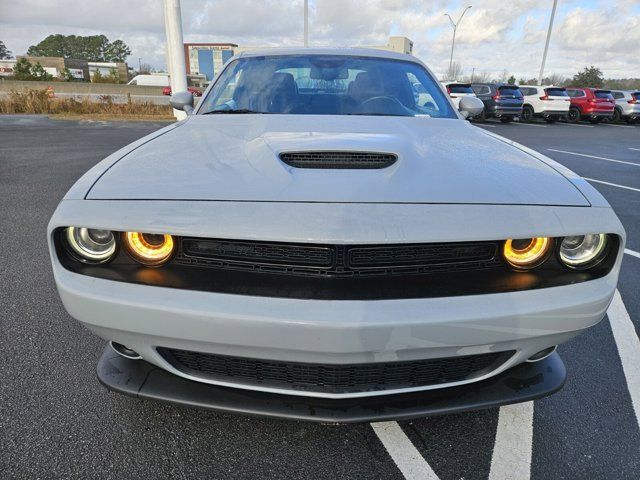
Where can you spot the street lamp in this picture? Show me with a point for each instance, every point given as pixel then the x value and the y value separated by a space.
pixel 455 28
pixel 306 23
pixel 546 45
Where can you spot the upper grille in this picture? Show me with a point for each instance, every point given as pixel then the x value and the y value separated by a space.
pixel 330 378
pixel 337 260
pixel 338 160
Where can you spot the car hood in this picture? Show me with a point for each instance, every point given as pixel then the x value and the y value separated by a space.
pixel 235 158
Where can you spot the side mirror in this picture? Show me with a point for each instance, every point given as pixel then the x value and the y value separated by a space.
pixel 470 106
pixel 182 101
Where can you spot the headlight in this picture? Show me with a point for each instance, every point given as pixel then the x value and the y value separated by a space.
pixel 582 251
pixel 90 244
pixel 149 248
pixel 526 253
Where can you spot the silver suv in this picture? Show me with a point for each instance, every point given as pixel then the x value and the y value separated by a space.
pixel 627 105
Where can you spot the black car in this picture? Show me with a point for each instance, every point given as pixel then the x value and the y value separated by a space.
pixel 500 100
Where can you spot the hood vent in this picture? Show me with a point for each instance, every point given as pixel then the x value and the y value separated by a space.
pixel 339 160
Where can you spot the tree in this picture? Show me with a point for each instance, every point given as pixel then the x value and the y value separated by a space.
pixel 96 48
pixel 4 53
pixel 22 70
pixel 511 80
pixel 39 73
pixel 454 71
pixel 116 51
pixel 589 77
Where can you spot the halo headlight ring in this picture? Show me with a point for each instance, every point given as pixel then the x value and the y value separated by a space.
pixel 91 245
pixel 581 252
pixel 526 253
pixel 149 249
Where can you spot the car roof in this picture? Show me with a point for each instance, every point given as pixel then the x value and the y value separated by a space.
pixel 352 52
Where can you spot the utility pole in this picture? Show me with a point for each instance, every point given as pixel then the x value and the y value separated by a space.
pixel 139 64
pixel 175 50
pixel 455 28
pixel 546 45
pixel 306 23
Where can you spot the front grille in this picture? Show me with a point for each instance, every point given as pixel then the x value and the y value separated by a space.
pixel 334 379
pixel 339 160
pixel 337 260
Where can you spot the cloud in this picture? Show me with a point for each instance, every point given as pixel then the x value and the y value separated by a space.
pixel 494 35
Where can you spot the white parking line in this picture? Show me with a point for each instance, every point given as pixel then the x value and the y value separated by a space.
pixel 593 156
pixel 511 458
pixel 628 345
pixel 575 125
pixel 488 126
pixel 405 455
pixel 615 125
pixel 636 149
pixel 529 125
pixel 632 253
pixel 612 184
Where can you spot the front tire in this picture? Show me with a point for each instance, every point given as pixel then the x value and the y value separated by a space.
pixel 527 113
pixel 574 115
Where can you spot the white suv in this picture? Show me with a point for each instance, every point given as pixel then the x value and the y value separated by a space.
pixel 550 103
pixel 457 90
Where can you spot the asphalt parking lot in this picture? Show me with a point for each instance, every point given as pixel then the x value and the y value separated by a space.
pixel 56 420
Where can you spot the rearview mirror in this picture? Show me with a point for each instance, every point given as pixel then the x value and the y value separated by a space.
pixel 182 101
pixel 470 106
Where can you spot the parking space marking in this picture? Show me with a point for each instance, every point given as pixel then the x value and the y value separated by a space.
pixel 529 125
pixel 615 125
pixel 594 156
pixel 488 126
pixel 511 458
pixel 628 345
pixel 576 125
pixel 612 184
pixel 405 455
pixel 636 149
pixel 632 253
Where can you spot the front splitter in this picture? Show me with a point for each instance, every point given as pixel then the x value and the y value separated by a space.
pixel 521 383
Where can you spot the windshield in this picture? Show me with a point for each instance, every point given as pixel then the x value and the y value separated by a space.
pixel 556 92
pixel 507 90
pixel 604 94
pixel 459 88
pixel 326 85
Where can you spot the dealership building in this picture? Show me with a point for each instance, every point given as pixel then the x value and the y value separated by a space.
pixel 207 59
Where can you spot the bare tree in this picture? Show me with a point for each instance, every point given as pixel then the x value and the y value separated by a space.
pixel 454 72
pixel 554 79
pixel 504 76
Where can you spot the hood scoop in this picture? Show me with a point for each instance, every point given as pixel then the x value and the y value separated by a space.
pixel 339 160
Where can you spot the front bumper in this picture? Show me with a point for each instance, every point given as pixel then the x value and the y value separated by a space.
pixel 143 380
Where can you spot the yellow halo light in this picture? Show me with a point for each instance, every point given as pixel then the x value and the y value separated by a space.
pixel 526 253
pixel 149 248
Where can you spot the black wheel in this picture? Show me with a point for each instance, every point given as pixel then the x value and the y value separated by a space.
pixel 573 116
pixel 617 116
pixel 551 119
pixel 505 119
pixel 482 117
pixel 527 113
pixel 595 120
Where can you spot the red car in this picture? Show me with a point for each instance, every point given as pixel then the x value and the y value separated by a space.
pixel 591 104
pixel 193 90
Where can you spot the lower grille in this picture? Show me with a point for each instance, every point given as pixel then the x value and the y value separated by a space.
pixel 334 379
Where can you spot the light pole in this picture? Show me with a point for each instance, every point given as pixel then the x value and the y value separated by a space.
pixel 139 64
pixel 455 28
pixel 546 45
pixel 306 23
pixel 175 50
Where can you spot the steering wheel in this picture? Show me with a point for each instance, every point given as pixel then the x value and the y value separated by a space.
pixel 383 104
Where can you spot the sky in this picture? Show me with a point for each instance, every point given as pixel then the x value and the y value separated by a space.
pixel 494 35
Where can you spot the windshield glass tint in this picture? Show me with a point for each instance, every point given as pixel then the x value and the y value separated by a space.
pixel 510 91
pixel 603 94
pixel 326 85
pixel 556 92
pixel 460 89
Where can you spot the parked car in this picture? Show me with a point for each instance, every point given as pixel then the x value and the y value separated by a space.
pixel 549 102
pixel 502 101
pixel 196 92
pixel 591 104
pixel 457 90
pixel 627 106
pixel 327 255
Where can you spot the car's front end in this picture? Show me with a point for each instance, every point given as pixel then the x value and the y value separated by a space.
pixel 333 267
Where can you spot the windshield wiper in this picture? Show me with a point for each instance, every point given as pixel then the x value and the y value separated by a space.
pixel 231 111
